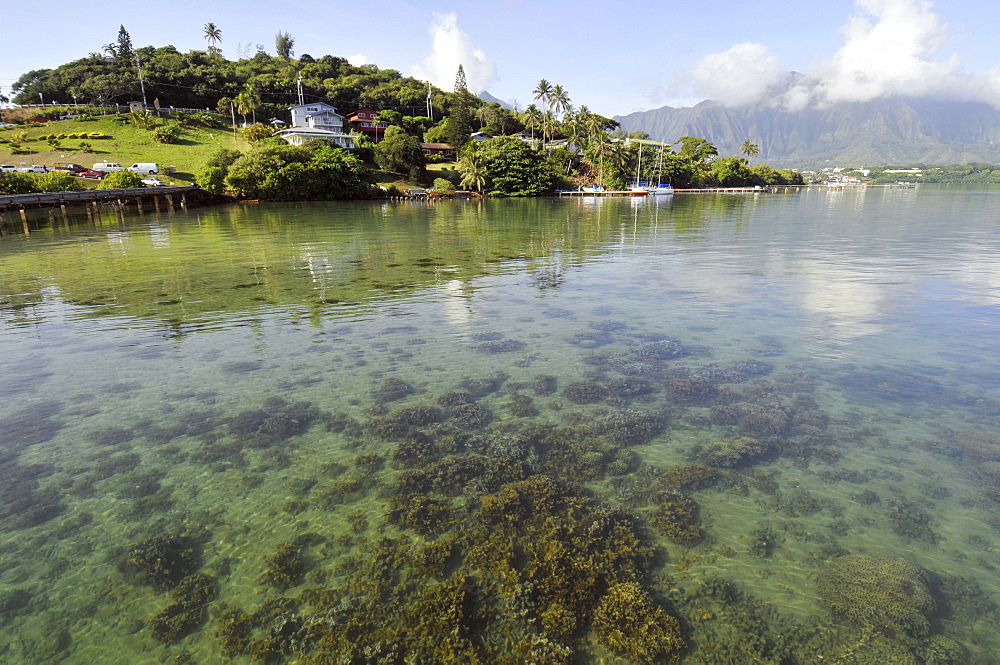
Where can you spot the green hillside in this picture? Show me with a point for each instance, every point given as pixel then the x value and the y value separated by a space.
pixel 123 143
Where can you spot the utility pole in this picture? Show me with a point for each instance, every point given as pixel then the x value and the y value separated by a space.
pixel 301 96
pixel 141 83
pixel 430 102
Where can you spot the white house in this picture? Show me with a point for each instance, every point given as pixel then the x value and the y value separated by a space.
pixel 316 121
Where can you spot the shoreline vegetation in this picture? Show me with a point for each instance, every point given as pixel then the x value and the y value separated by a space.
pixel 550 145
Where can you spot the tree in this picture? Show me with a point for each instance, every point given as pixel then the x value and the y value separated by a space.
pixel 283 44
pixel 731 172
pixel 400 152
pixel 124 49
pixel 213 36
pixel 460 83
pixel 532 118
pixel 248 101
pixel 316 171
pixel 121 180
pixel 750 149
pixel 559 100
pixel 513 168
pixel 473 169
pixel 543 92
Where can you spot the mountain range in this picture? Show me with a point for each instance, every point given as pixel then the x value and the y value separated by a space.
pixel 887 131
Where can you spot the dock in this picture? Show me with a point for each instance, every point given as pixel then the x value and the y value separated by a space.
pixel 701 190
pixel 59 205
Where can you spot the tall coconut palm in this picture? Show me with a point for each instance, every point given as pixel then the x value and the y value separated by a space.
pixel 543 92
pixel 750 149
pixel 559 99
pixel 213 35
pixel 532 119
pixel 549 125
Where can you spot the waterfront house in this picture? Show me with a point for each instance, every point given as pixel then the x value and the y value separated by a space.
pixel 442 149
pixel 364 121
pixel 316 121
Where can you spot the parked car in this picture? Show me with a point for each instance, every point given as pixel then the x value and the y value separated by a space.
pixel 7 125
pixel 34 168
pixel 70 116
pixel 149 168
pixel 153 182
pixel 91 175
pixel 8 168
pixel 72 168
pixel 108 167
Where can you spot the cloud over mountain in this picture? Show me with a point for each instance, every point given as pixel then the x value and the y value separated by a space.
pixel 450 47
pixel 891 47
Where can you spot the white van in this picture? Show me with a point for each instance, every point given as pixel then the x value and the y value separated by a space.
pixel 145 167
pixel 108 167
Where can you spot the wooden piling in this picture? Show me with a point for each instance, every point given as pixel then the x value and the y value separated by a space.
pixel 52 217
pixel 138 203
pixel 4 231
pixel 24 222
pixel 184 201
pixel 156 202
pixel 65 215
pixel 170 201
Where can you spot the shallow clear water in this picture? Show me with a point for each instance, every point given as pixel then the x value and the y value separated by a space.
pixel 221 379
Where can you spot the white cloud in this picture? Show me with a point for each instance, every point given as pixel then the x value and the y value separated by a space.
pixel 891 47
pixel 358 59
pixel 450 47
pixel 888 49
pixel 737 76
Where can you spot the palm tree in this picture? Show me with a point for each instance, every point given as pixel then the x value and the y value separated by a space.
pixel 532 119
pixel 559 99
pixel 213 35
pixel 750 149
pixel 549 125
pixel 473 170
pixel 247 101
pixel 543 92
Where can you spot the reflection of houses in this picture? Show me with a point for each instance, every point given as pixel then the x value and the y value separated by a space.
pixel 442 149
pixel 363 120
pixel 316 121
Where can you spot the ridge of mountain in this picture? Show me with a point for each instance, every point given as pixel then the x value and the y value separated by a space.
pixel 888 131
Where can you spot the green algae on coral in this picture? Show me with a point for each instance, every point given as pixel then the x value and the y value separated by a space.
pixel 631 624
pixel 881 593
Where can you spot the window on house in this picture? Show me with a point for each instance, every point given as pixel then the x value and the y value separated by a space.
pixel 312 108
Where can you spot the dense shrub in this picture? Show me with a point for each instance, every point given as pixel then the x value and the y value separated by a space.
pixel 32 183
pixel 121 179
pixel 165 134
pixel 315 172
pixel 212 177
pixel 443 186
pixel 514 168
pixel 17 183
pixel 256 132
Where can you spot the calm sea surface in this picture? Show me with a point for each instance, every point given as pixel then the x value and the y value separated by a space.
pixel 724 429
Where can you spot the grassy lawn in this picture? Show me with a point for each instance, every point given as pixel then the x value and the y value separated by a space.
pixel 124 143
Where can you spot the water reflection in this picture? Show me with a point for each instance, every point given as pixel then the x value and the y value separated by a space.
pixel 491 430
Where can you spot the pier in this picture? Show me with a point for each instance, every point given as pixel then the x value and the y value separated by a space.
pixel 57 206
pixel 701 190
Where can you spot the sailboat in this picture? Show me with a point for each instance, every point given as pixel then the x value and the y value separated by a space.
pixel 661 188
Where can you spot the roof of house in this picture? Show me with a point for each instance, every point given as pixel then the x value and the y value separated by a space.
pixel 436 146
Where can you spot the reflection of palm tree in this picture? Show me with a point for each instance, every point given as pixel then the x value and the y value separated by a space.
pixel 750 149
pixel 212 35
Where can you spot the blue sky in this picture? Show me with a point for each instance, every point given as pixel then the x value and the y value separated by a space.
pixel 613 57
